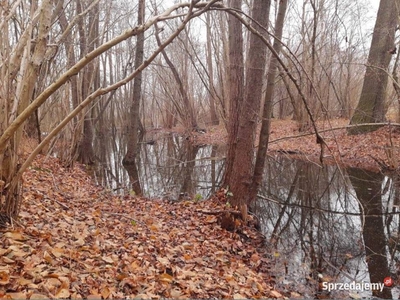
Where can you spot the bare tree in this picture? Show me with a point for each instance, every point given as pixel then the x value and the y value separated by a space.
pixel 186 109
pixel 11 172
pixel 26 61
pixel 371 108
pixel 268 104
pixel 211 88
pixel 133 139
pixel 246 112
pixel 88 40
pixel 235 87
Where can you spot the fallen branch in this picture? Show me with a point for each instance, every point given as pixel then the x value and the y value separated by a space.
pixel 218 212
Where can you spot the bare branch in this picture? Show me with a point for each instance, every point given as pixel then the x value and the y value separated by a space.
pixel 106 90
pixel 74 70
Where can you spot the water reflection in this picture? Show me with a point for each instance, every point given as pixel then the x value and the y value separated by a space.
pixel 167 166
pixel 322 224
pixel 368 187
pixel 313 218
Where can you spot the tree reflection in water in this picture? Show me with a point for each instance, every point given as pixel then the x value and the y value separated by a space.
pixel 315 226
pixel 311 216
pixel 170 167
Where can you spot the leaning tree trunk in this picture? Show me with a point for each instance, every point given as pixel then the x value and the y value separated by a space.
pixel 29 69
pixel 371 108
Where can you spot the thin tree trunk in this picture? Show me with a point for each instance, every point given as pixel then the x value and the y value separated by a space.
pixel 132 148
pixel 133 139
pixel 212 96
pixel 88 42
pixel 267 111
pixel 188 117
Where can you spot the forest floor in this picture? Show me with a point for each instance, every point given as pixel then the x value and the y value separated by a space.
pixel 77 240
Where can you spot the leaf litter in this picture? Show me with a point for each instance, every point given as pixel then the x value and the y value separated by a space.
pixel 77 240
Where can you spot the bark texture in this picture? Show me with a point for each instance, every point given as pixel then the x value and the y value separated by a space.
pixel 371 108
pixel 268 103
pixel 242 133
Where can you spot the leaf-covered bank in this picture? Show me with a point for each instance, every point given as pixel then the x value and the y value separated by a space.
pixel 376 151
pixel 77 240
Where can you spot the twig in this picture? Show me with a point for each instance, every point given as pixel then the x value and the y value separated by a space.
pixel 333 129
pixel 327 210
pixel 58 190
pixel 62 204
pixel 120 215
pixel 340 271
pixel 217 212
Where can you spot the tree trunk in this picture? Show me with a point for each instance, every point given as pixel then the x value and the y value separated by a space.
pixel 244 133
pixel 267 111
pixel 187 115
pixel 211 88
pixel 30 66
pixel 371 108
pixel 235 78
pixel 132 148
pixel 88 42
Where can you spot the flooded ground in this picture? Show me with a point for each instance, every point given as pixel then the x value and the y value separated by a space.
pixel 326 228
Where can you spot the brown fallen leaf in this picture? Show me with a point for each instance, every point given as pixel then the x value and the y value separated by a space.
pixel 47 257
pixel 4 277
pixel 57 252
pixel 108 259
pixel 63 293
pixel 15 235
pixel 275 294
pixel 38 297
pixel 105 292
pixel 166 278
pixel 16 296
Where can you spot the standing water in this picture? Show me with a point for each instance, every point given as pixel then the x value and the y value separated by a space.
pixel 331 232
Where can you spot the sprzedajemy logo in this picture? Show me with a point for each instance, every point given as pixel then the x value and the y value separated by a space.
pixel 353 286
